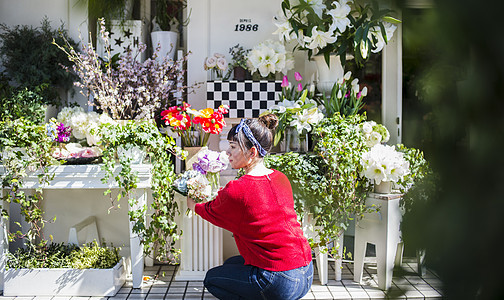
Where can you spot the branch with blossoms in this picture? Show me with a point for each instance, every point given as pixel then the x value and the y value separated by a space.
pixel 129 89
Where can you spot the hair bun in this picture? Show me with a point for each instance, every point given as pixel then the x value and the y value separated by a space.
pixel 269 120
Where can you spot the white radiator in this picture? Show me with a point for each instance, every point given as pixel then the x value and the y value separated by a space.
pixel 201 245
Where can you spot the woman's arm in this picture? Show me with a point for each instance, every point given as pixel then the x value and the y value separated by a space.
pixel 190 203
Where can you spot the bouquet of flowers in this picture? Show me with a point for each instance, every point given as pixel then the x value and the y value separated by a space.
pixel 384 163
pixel 217 64
pixel 195 126
pixel 328 26
pixel 374 133
pixel 202 182
pixel 269 57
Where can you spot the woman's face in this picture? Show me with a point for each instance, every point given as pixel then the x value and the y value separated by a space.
pixel 237 158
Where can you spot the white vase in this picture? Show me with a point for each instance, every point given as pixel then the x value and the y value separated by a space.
pixel 167 40
pixel 385 187
pixel 328 75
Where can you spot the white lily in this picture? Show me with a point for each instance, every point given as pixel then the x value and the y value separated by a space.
pixel 339 15
pixel 319 39
pixel 284 27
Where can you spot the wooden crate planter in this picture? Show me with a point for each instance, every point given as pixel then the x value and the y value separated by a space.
pixel 64 282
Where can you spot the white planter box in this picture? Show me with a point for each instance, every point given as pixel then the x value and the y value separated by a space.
pixel 64 282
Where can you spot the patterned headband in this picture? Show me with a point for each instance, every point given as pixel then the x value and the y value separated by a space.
pixel 246 130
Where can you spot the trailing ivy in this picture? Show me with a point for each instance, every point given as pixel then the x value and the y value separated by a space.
pixel 162 231
pixel 340 145
pixel 34 158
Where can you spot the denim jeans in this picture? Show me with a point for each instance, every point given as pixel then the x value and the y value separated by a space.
pixel 234 280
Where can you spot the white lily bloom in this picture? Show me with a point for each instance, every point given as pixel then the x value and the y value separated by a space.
pixel 339 15
pixel 375 31
pixel 319 39
pixel 318 6
pixel 284 27
pixel 364 49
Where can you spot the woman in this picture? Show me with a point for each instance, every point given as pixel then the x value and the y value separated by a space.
pixel 258 208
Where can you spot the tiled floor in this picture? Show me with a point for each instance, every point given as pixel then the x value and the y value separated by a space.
pixel 160 284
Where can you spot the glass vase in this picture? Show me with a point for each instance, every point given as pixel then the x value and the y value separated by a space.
pixel 296 142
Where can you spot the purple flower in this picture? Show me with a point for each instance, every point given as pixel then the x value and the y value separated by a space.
pixel 285 82
pixel 211 162
pixel 298 76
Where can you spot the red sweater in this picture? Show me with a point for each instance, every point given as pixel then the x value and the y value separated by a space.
pixel 259 211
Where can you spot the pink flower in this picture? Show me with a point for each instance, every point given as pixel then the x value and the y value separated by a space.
pixel 285 82
pixel 298 76
pixel 300 87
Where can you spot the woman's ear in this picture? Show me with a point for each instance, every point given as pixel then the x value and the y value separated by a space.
pixel 253 152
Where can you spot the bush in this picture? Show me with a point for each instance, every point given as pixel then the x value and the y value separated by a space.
pixel 30 59
pixel 16 103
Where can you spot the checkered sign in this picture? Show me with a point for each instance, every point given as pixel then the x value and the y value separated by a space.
pixel 246 99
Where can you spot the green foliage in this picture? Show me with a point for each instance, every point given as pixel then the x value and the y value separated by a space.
pixel 162 231
pixel 342 99
pixel 31 60
pixel 167 11
pixel 16 103
pixel 64 256
pixel 341 145
pixel 306 175
pixel 35 157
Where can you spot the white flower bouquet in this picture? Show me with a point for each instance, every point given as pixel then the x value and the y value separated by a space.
pixel 269 57
pixel 374 133
pixel 384 163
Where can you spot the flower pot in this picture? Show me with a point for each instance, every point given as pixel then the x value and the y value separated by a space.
pixel 328 75
pixel 167 41
pixel 295 142
pixel 64 282
pixel 239 73
pixel 385 187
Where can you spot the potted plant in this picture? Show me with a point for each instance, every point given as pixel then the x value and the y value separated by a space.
pixel 328 29
pixel 165 26
pixel 238 64
pixel 32 63
pixel 64 270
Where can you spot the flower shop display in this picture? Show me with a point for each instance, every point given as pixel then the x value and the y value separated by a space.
pixel 325 27
pixel 238 62
pixel 374 133
pixel 345 97
pixel 194 126
pixel 126 88
pixel 217 65
pixel 268 58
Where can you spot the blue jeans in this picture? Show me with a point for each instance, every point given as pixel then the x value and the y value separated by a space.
pixel 234 280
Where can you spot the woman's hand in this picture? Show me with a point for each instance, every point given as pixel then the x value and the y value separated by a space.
pixel 190 203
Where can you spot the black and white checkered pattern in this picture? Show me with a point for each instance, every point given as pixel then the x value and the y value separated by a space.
pixel 246 99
